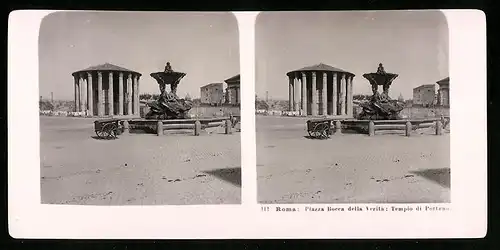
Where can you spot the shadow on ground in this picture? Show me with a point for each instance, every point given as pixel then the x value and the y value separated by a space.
pixel 314 138
pixel 440 176
pixel 103 139
pixel 231 175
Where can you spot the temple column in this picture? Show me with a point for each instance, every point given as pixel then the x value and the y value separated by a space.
pixel 85 96
pixel 342 95
pixel 324 100
pixel 129 94
pixel 334 94
pixel 314 95
pixel 136 95
pixel 120 93
pixel 75 79
pixel 290 93
pixel 100 104
pixel 81 91
pixel 111 103
pixel 304 94
pixel 90 94
pixel 349 97
pixel 300 95
pixel 296 93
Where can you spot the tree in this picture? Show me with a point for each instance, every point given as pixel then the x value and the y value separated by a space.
pixel 196 102
pixel 145 96
pixel 187 97
pixel 360 97
pixel 46 105
pixel 261 105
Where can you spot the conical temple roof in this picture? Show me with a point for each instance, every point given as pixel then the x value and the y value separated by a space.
pixel 107 67
pixel 320 67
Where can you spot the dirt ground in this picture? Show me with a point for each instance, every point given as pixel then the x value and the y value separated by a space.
pixel 350 168
pixel 136 169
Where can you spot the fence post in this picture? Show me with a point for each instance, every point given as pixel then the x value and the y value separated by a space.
pixel 197 128
pixel 338 127
pixel 371 128
pixel 408 128
pixel 159 128
pixel 126 127
pixel 439 127
pixel 228 127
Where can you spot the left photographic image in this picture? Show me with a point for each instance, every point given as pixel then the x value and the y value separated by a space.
pixel 139 108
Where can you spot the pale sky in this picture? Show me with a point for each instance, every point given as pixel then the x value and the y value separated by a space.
pixel 411 44
pixel 202 44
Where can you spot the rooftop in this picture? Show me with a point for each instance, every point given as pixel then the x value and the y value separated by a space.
pixel 235 78
pixel 320 67
pixel 211 84
pixel 425 86
pixel 445 80
pixel 106 67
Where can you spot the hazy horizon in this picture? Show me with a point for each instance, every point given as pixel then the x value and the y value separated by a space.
pixel 205 45
pixel 413 44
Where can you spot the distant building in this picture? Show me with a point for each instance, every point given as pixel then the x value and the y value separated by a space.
pixel 233 90
pixel 443 97
pixel 424 95
pixel 212 93
pixel 401 98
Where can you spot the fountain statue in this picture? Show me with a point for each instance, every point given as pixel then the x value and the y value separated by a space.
pixel 381 106
pixel 168 105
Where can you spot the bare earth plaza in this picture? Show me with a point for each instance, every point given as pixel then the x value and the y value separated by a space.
pixel 339 135
pixel 133 135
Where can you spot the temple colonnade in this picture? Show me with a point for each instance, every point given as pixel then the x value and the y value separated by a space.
pixel 321 90
pixel 107 90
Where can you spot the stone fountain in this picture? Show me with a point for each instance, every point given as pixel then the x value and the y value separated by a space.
pixel 168 105
pixel 381 106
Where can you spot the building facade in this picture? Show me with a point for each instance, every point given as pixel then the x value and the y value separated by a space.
pixel 107 90
pixel 444 92
pixel 212 93
pixel 321 90
pixel 233 95
pixel 424 95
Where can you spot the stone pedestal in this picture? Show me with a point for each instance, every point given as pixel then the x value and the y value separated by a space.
pixel 408 129
pixel 228 127
pixel 371 128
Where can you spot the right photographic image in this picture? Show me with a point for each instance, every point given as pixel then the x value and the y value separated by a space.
pixel 352 107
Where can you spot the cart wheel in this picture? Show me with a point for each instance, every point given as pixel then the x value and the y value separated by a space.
pixel 315 133
pixel 101 133
pixel 323 130
pixel 111 130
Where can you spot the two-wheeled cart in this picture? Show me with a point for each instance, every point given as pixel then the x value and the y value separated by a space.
pixel 108 128
pixel 320 128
